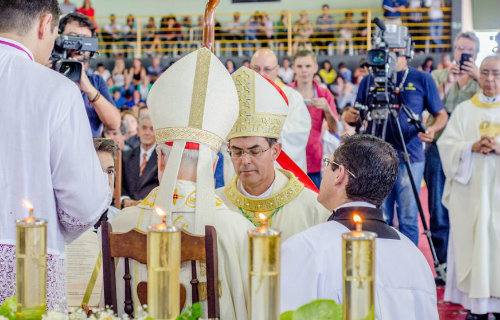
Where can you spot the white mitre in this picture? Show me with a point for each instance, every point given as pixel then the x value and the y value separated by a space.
pixel 194 102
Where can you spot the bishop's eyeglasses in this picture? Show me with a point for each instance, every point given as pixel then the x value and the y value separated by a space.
pixel 256 152
pixel 327 161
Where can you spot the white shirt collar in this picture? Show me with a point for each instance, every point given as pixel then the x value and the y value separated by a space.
pixel 17 47
pixel 356 204
pixel 266 193
pixel 148 153
pixel 485 99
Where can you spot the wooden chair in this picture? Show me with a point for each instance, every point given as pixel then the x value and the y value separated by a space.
pixel 133 245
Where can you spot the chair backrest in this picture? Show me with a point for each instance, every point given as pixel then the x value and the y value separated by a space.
pixel 133 245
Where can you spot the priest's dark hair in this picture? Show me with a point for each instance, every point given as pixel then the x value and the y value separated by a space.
pixel 18 16
pixel 374 164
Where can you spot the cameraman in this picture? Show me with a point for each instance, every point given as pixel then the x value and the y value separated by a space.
pixel 95 93
pixel 418 93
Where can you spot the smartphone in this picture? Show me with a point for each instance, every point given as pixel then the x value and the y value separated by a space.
pixel 464 57
pixel 308 102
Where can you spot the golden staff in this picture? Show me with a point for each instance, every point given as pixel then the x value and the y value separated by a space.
pixel 208 24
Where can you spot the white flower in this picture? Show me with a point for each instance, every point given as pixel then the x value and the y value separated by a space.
pixel 54 315
pixel 3 318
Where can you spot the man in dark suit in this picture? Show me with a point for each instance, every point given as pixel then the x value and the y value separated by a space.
pixel 140 166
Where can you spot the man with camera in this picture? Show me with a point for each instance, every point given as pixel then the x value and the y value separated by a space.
pixel 418 92
pixel 95 93
pixel 455 85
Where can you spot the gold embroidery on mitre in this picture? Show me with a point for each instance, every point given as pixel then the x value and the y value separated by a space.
pixel 285 196
pixel 200 88
pixel 189 134
pixel 251 123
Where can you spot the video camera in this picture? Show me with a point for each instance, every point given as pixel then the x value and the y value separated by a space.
pixel 383 62
pixel 63 46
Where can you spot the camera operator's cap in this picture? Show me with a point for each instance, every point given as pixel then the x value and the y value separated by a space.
pixel 263 106
pixel 194 100
pixel 193 105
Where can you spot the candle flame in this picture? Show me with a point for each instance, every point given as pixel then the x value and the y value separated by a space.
pixel 356 218
pixel 27 205
pixel 162 214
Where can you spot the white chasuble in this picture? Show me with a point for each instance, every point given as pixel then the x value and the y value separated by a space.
pixel 472 196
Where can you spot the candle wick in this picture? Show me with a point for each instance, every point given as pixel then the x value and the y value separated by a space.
pixel 358 227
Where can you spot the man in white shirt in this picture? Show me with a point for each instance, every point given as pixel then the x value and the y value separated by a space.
pixel 295 133
pixel 286 72
pixel 358 178
pixel 48 156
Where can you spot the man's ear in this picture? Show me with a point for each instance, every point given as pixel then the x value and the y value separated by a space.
pixel 316 67
pixel 276 150
pixel 161 159
pixel 341 176
pixel 45 26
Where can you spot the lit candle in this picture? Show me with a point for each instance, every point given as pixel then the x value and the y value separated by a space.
pixel 264 272
pixel 358 257
pixel 31 266
pixel 164 260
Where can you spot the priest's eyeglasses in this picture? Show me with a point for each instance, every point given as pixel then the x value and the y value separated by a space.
pixel 327 161
pixel 237 153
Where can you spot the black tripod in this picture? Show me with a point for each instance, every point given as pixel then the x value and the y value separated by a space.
pixel 379 119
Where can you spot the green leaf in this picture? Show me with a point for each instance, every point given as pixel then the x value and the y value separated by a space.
pixel 317 310
pixel 8 308
pixel 287 315
pixel 194 312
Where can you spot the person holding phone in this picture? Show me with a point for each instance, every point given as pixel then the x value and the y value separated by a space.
pixel 455 85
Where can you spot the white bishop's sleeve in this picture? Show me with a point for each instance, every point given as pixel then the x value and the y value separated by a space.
pixel 80 186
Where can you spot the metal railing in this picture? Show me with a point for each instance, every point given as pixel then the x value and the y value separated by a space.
pixel 342 36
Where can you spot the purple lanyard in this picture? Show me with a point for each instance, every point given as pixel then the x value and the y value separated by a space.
pixel 15 46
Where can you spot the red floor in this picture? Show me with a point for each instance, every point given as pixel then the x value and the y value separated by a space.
pixel 447 311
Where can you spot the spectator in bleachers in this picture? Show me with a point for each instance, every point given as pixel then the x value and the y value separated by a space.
pixel 346 32
pixel 252 29
pixel 445 62
pixel 327 73
pixel 137 74
pixel 230 66
pixel 392 11
pixel 345 92
pixel 112 33
pixel 360 72
pixel 103 72
pixel 135 102
pixel 235 32
pixel 143 110
pixel 268 27
pixel 67 7
pixel 428 65
pixel 345 72
pixel 286 72
pixel 155 70
pixel 362 31
pixel 303 31
pixel 129 34
pixel 321 107
pixel 436 19
pixel 324 27
pixel 87 10
pixel 119 74
pixel 320 81
pixel 171 32
pixel 415 17
pixel 118 99
pixel 149 33
pixel 131 119
pixel 282 29
pixel 118 136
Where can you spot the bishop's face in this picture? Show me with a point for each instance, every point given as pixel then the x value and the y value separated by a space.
pixel 253 160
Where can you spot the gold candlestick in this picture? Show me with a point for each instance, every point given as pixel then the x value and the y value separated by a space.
pixel 31 266
pixel 164 260
pixel 264 272
pixel 358 257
